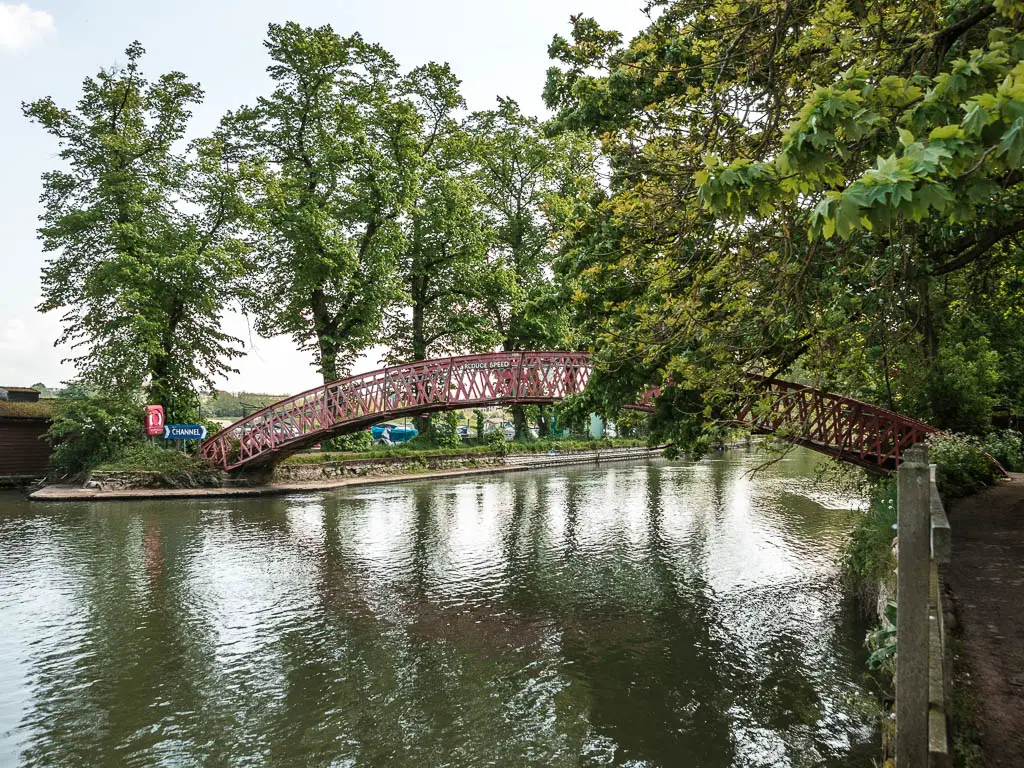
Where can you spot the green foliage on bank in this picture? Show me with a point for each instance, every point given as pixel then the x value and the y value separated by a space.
pixel 92 433
pixel 443 432
pixel 962 467
pixel 87 431
pixel 355 441
pixel 177 468
pixel 869 558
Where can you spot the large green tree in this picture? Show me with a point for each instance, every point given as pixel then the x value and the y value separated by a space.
pixel 338 140
pixel 445 246
pixel 144 232
pixel 830 189
pixel 526 179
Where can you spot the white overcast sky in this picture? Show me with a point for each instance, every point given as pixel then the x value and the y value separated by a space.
pixel 47 47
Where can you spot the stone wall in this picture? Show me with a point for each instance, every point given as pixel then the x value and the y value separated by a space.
pixel 125 481
pixel 396 465
pixel 331 470
pixel 402 465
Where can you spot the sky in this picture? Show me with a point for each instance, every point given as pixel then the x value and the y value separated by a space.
pixel 48 47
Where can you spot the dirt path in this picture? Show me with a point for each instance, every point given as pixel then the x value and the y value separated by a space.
pixel 986 578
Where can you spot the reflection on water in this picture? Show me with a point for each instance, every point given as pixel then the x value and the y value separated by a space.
pixel 647 614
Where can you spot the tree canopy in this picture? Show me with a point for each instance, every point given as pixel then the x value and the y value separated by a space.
pixel 827 189
pixel 145 236
pixel 443 262
pixel 337 141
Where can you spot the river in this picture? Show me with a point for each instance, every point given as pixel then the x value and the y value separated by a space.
pixel 638 614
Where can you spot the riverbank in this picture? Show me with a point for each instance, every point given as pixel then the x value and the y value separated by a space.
pixel 347 473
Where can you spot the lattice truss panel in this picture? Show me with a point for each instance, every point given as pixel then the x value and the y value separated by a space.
pixel 841 427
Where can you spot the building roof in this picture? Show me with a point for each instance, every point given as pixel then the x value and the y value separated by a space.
pixel 43 409
pixel 20 394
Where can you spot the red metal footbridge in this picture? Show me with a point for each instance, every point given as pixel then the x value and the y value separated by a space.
pixel 841 427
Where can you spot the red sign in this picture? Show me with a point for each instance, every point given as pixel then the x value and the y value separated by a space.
pixel 154 419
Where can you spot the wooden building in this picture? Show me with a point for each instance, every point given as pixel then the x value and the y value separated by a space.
pixel 24 418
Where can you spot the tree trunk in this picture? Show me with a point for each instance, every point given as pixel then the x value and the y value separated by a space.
pixel 419 343
pixel 519 422
pixel 544 422
pixel 161 387
pixel 328 358
pixel 325 327
pixel 518 411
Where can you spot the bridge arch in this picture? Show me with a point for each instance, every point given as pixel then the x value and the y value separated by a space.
pixel 841 427
pixel 356 402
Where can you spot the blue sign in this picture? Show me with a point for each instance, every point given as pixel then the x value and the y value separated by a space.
pixel 184 432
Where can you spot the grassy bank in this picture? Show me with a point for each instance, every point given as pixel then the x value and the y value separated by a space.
pixel 963 467
pixel 175 468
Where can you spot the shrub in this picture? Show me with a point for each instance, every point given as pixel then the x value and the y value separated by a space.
pixel 446 430
pixel 963 467
pixel 869 560
pixel 1005 446
pixel 442 432
pixel 87 431
pixel 354 441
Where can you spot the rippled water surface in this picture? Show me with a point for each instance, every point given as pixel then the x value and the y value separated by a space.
pixel 646 614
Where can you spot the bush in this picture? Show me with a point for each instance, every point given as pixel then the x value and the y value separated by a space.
pixel 963 467
pixel 869 560
pixel 1006 447
pixel 178 469
pixel 87 431
pixel 496 438
pixel 445 429
pixel 354 441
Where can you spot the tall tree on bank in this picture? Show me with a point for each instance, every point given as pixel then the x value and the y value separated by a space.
pixel 522 175
pixel 443 262
pixel 444 257
pixel 338 140
pixel 863 246
pixel 144 237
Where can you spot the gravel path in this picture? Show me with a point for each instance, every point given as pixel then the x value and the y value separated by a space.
pixel 986 578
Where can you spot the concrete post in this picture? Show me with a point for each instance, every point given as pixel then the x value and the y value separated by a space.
pixel 912 629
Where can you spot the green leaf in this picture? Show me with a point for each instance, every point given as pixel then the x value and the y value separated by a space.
pixel 945 132
pixel 1011 146
pixel 975 120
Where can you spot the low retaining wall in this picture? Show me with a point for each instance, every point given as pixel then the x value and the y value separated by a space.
pixel 397 465
pixel 337 471
pixel 126 481
pixel 402 465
